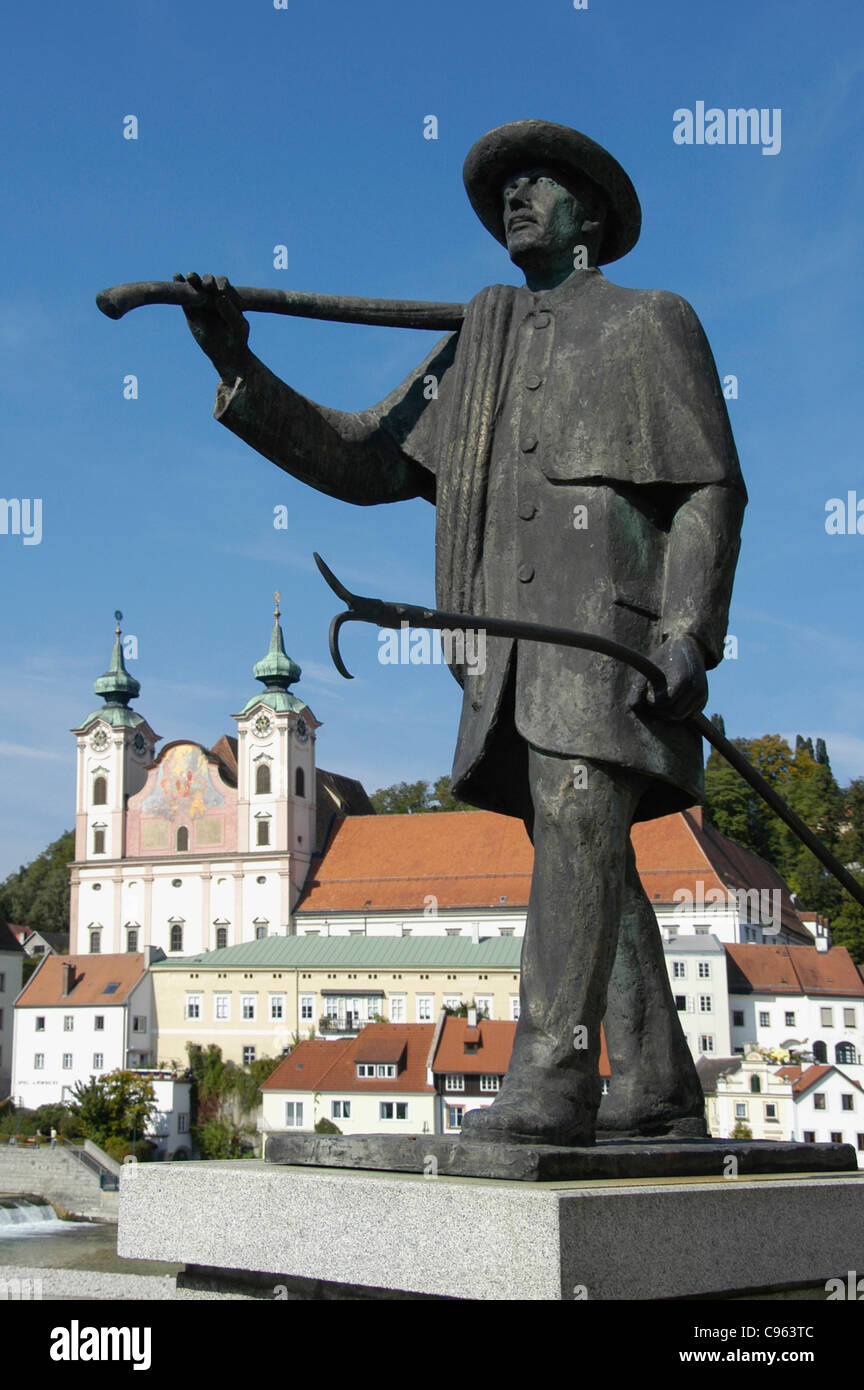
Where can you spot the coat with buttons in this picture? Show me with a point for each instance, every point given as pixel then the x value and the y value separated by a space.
pixel 578 448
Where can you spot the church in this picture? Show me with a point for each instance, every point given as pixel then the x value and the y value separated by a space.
pixel 195 849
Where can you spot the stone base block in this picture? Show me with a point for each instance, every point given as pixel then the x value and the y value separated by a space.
pixel 385 1235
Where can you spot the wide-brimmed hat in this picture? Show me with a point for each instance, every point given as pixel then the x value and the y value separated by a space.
pixel 519 145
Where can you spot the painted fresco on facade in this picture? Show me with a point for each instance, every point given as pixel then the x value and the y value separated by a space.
pixel 182 785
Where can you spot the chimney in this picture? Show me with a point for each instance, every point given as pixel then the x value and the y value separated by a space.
pixel 472 1018
pixel 68 977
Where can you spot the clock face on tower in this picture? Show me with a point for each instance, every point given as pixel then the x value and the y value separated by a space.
pixel 99 740
pixel 302 729
pixel 262 726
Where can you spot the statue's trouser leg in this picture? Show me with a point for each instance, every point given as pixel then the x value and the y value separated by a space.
pixel 581 840
pixel 654 1085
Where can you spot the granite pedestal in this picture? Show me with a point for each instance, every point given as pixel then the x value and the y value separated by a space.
pixel 303 1233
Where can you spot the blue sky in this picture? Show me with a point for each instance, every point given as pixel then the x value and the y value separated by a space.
pixel 304 127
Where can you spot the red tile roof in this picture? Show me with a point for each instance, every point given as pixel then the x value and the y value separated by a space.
pixel 496 1045
pixel 92 974
pixel 793 970
pixel 331 1066
pixel 477 859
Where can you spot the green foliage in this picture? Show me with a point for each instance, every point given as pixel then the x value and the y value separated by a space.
pixel 741 1131
pixel 113 1106
pixel 462 1011
pixel 222 1094
pixel 37 896
pixel 325 1126
pixel 219 1139
pixel 416 797
pixel 118 1149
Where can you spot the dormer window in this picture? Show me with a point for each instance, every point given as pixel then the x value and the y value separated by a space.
pixel 381 1071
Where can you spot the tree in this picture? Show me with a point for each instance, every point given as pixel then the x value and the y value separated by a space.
pixel 37 896
pixel 416 798
pixel 116 1106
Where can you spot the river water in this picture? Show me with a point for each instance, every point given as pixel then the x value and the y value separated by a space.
pixel 31 1234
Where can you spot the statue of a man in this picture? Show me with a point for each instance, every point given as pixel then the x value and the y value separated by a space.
pixel 579 454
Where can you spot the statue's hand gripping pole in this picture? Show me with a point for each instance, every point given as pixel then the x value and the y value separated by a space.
pixel 390 615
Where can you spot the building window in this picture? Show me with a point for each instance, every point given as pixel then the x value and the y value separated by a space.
pixel 740 1110
pixel 397 1008
pixel 705 1003
pixel 193 1005
pixel 490 1083
pixel 176 883
pixel 67 1061
pixel 820 1052
pixel 98 1061
pixel 262 779
pixel 514 1007
pixel 737 1018
pixel 262 832
pixel 95 943
pixel 704 970
pixel 846 1052
pixel 454 1116
pixel 827 1016
pixel 247 1007
pixel 764 1018
pixel 68 1023
pixel 222 1007
pixel 99 1023
pixel 484 1004
pixel 848 1018
pixel 176 937
pixel 340 1110
pixel 809 1136
pixel 39 1061
pixel 454 1081
pixel 836 1137
pixel 100 791
pixel 294 1114
pixel 706 1042
pixel 277 1007
pixel 248 1056
pixel 260 933
pixel 221 938
pixel 139 1023
pixel 182 1124
pixel 755 1085
pixel 393 1110
pixel 2 982
pixel 98 840
pixel 847 1102
pixel 307 1008
pixel 861 1143
pixel 425 1003
pixel 789 1020
pixel 681 1003
pixel 679 970
pixel 819 1101
pixel 182 841
pixel 299 782
pixel 770 1111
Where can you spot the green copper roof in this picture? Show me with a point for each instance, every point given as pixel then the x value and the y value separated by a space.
pixel 276 671
pixel 116 716
pixel 360 953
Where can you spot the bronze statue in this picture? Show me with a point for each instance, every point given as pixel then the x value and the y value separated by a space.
pixel 579 452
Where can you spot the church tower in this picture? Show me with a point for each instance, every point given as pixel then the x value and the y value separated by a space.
pixel 276 790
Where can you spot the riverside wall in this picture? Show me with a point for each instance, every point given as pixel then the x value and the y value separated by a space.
pixel 57 1176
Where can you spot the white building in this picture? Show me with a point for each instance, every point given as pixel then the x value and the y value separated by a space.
pixel 196 848
pixel 80 1017
pixel 801 1000
pixel 169 1129
pixel 697 974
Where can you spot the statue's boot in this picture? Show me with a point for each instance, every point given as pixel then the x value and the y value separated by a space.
pixel 539 1107
pixel 654 1087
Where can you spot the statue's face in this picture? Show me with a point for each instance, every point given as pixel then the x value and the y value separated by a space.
pixel 542 219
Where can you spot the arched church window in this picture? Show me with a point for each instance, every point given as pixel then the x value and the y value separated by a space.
pixel 182 837
pixel 755 1085
pixel 100 791
pixel 98 841
pixel 263 832
pixel 95 943
pixel 845 1052
pixel 221 938
pixel 262 779
pixel 132 940
pixel 299 782
pixel 176 937
pixel 820 1052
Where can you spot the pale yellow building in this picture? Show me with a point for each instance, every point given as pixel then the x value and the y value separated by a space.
pixel 254 1000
